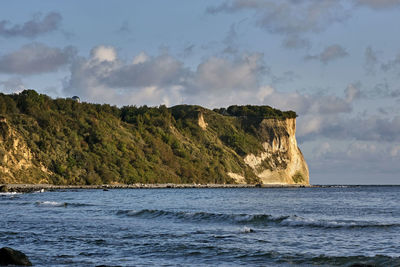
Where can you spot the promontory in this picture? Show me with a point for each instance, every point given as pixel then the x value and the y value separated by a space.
pixel 65 142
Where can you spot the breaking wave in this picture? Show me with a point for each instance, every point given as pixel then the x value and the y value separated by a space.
pixel 9 193
pixel 297 221
pixel 202 216
pixel 51 203
pixel 252 219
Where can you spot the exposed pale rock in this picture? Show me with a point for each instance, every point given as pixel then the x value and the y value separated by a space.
pixel 238 178
pixel 17 156
pixel 281 159
pixel 202 123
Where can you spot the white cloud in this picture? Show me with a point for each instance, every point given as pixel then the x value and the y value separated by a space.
pixel 13 85
pixel 395 151
pixel 32 28
pixel 310 125
pixel 371 128
pixel 287 16
pixel 322 149
pixel 104 53
pixel 359 150
pixel 217 82
pixel 222 75
pixel 103 74
pixel 356 162
pixel 293 19
pixel 36 58
pixel 304 103
pixel 141 58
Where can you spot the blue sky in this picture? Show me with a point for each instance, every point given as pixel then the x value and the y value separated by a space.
pixel 336 63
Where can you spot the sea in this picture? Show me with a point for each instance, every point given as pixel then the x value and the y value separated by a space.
pixel 318 226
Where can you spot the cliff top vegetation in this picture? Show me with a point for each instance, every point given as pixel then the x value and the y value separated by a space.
pixel 82 143
pixel 265 112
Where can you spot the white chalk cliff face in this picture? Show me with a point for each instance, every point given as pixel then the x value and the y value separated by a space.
pixel 281 162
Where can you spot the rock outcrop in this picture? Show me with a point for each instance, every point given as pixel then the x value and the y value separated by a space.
pixel 281 161
pixel 9 256
pixel 16 158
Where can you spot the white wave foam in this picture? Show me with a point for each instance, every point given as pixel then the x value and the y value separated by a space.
pixel 246 230
pixel 51 203
pixel 299 221
pixel 39 191
pixel 9 193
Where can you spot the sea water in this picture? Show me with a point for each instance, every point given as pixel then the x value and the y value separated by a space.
pixel 333 226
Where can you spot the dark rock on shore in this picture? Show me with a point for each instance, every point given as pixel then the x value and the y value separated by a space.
pixel 3 188
pixel 30 188
pixel 9 256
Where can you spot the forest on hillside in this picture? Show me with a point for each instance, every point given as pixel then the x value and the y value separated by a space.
pixel 84 143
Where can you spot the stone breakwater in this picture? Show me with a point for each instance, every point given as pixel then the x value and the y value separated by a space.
pixel 29 188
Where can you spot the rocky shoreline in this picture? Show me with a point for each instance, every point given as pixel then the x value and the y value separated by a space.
pixel 28 188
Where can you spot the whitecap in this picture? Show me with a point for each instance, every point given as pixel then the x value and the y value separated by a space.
pixel 51 203
pixel 9 193
pixel 246 230
pixel 40 191
pixel 298 221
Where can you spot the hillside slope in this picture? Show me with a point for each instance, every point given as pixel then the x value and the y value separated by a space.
pixel 62 141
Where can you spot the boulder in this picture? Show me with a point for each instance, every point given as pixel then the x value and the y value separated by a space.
pixel 9 256
pixel 3 188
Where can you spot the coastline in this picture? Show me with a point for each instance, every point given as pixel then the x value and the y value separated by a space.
pixel 28 188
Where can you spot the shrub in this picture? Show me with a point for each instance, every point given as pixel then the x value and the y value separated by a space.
pixel 298 177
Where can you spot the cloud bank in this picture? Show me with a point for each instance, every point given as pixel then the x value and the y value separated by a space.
pixel 220 81
pixel 32 28
pixel 162 78
pixel 36 58
pixel 287 16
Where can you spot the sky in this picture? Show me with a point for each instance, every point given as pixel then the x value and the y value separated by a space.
pixel 336 63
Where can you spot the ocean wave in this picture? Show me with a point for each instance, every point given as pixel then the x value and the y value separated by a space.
pixel 252 219
pixel 202 216
pixel 40 191
pixel 247 230
pixel 51 203
pixel 60 204
pixel 378 260
pixel 9 193
pixel 313 260
pixel 297 221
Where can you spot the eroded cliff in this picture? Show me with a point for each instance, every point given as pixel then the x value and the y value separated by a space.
pixel 281 161
pixel 62 141
pixel 17 162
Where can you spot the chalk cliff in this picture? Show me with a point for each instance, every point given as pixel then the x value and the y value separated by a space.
pixel 281 161
pixel 62 141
